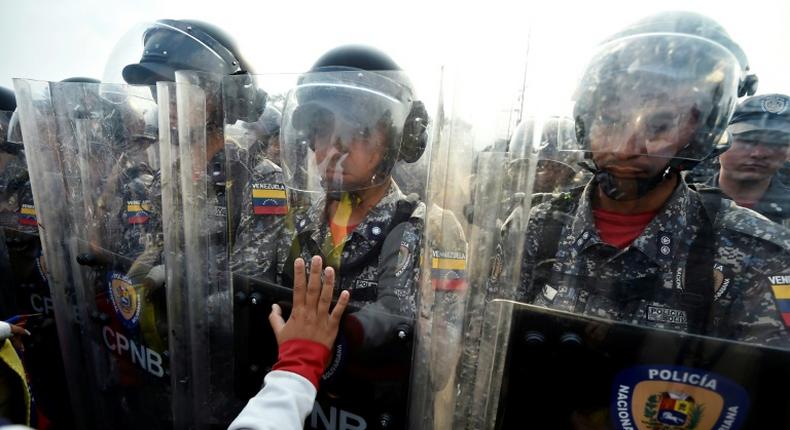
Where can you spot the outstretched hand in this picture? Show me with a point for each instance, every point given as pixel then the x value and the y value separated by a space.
pixel 310 317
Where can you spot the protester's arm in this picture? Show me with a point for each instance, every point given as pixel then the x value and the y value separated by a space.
pixel 304 341
pixel 7 330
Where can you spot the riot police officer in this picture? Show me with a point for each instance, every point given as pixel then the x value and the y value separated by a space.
pixel 347 122
pixel 637 244
pixel 761 136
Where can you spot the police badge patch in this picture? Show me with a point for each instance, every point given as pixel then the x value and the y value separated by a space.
pixel 774 105
pixel 125 299
pixel 676 397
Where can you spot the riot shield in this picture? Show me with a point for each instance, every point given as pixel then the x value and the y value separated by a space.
pixel 26 295
pixel 634 300
pixel 94 159
pixel 198 203
pixel 275 210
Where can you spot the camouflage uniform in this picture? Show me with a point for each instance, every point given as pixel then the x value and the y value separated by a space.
pixel 775 203
pixel 640 284
pixel 387 280
pixel 262 241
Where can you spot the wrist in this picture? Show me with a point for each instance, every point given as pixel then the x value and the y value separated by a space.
pixel 303 357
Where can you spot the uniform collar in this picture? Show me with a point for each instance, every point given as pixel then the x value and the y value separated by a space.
pixel 660 239
pixel 373 228
pixel 774 204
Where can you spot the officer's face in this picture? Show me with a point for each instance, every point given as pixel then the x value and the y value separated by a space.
pixel 348 157
pixel 752 159
pixel 551 176
pixel 635 135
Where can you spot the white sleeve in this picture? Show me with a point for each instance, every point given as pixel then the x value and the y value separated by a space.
pixel 283 403
pixel 5 330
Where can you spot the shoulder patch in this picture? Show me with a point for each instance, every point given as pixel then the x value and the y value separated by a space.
pixel 751 223
pixel 269 199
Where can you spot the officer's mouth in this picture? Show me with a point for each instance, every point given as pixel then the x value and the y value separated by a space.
pixel 626 172
pixel 754 167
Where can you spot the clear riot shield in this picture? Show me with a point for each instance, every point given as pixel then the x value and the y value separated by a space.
pixel 93 158
pixel 197 209
pixel 26 298
pixel 636 300
pixel 281 210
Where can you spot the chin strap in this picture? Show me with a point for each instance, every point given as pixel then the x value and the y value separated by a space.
pixel 613 187
pixel 352 198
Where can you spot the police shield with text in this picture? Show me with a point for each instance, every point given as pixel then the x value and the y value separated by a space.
pixel 93 146
pixel 607 275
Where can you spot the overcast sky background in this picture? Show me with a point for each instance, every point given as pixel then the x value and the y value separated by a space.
pixel 485 44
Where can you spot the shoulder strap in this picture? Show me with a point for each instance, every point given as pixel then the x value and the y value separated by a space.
pixel 697 297
pixel 553 225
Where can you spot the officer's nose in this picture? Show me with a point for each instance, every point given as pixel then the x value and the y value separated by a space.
pixel 760 151
pixel 627 142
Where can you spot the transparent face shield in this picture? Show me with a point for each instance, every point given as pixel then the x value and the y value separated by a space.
pixel 655 97
pixel 132 113
pixel 342 130
pixel 554 147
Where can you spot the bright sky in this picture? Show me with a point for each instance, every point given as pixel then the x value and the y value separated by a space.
pixel 484 45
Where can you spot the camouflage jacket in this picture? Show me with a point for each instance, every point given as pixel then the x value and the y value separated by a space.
pixel 262 239
pixel 640 284
pixel 775 203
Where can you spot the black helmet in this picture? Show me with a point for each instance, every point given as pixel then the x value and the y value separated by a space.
pixel 683 61
pixel 7 109
pixel 7 100
pixel 361 57
pixel 350 92
pixel 170 45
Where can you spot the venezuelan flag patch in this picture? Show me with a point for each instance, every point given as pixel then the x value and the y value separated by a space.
pixel 138 211
pixel 448 271
pixel 780 287
pixel 269 199
pixel 27 215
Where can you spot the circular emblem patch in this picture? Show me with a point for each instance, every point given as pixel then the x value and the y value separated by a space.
pixel 125 299
pixel 676 397
pixel 774 105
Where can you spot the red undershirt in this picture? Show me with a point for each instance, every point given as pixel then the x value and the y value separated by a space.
pixel 620 230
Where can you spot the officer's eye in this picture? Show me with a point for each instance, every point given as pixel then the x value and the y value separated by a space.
pixel 659 124
pixel 362 133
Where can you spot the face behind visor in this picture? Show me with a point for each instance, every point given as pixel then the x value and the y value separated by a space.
pixel 652 104
pixel 342 130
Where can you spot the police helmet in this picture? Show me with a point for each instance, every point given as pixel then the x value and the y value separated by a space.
pixel 7 100
pixel 680 60
pixel 765 118
pixel 7 108
pixel 171 45
pixel 348 92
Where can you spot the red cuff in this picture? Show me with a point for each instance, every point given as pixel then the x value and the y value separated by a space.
pixel 303 357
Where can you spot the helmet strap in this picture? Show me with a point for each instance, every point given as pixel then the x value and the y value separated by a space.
pixel 612 186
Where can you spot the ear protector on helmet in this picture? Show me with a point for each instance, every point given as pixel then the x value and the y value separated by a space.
pixel 748 85
pixel 415 133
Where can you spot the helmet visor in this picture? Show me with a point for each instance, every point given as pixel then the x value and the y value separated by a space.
pixel 657 95
pixel 342 130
